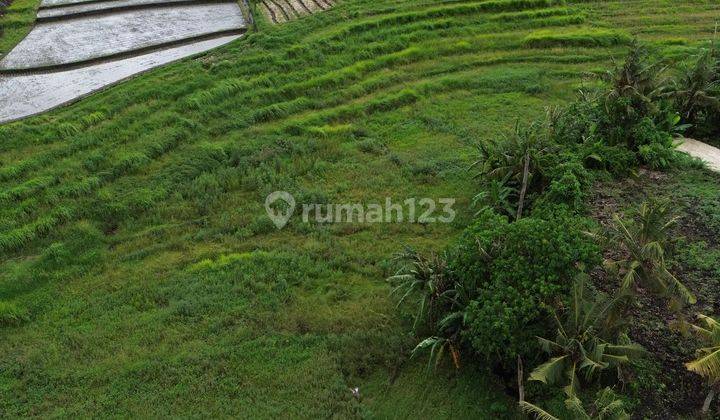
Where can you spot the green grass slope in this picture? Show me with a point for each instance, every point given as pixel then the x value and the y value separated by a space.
pixel 139 274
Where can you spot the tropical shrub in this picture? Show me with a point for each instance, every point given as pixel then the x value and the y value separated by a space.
pixel 586 343
pixel 606 406
pixel 425 279
pixel 440 300
pixel 696 94
pixel 516 170
pixel 518 267
pixel 646 241
pixel 514 163
pixel 655 145
pixel 634 95
pixel 630 122
pixel 488 294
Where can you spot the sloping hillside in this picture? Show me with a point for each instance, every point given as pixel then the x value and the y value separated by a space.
pixel 140 275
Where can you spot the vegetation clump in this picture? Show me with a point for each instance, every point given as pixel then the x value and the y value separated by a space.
pixel 587 342
pixel 526 255
pixel 696 94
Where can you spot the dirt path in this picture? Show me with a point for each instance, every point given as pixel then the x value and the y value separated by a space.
pixel 705 152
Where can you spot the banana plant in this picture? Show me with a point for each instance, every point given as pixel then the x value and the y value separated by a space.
pixel 587 342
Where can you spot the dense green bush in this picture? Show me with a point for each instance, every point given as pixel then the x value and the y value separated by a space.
pixel 518 268
pixel 515 171
pixel 655 145
pixel 696 95
pixel 489 294
pixel 631 122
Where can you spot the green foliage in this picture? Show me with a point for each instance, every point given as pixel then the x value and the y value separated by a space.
pixel 586 343
pixel 11 314
pixel 605 406
pixel 696 94
pixel 515 171
pixel 708 362
pixel 428 278
pixel 488 294
pixel 506 164
pixel 16 19
pixel 634 95
pixel 577 126
pixel 655 146
pixel 629 123
pixel 518 267
pixel 172 167
pixel 83 248
pixel 646 239
pixel 581 37
pixel 442 302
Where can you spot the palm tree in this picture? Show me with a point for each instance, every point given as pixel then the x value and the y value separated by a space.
pixel 646 240
pixel 513 163
pixel 637 85
pixel 605 407
pixel 442 303
pixel 425 277
pixel 708 362
pixel 698 88
pixel 586 342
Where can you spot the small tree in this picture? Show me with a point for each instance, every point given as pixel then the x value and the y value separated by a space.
pixel 426 279
pixel 441 301
pixel 696 93
pixel 636 87
pixel 696 88
pixel 512 166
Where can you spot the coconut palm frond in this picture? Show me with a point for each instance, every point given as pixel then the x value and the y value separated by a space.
pixel 550 372
pixel 628 350
pixel 707 365
pixel 536 411
pixel 676 288
pixel 575 406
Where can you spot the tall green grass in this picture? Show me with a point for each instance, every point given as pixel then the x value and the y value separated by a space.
pixel 139 274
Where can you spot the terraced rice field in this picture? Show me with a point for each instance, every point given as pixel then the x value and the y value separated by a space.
pixel 280 11
pixel 139 274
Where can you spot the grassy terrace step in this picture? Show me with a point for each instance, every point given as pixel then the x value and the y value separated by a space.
pixel 139 275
